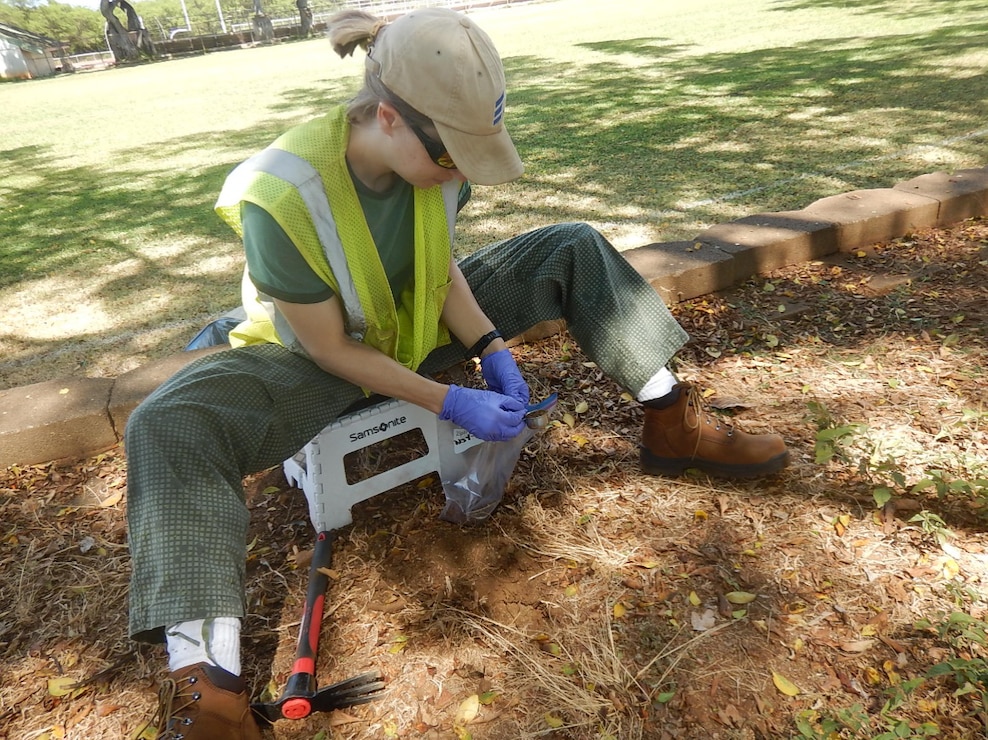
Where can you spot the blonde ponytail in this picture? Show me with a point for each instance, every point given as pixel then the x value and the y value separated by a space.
pixel 349 29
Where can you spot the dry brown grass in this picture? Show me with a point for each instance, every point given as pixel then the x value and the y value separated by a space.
pixel 579 604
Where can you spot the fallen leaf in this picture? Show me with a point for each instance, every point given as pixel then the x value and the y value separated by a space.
pixel 111 500
pixel 723 606
pixel 61 686
pixel 893 675
pixel 270 692
pixel 784 685
pixel 144 732
pixel 856 646
pixel 339 717
pixel 468 710
pixel 582 407
pixel 730 716
pixel 703 622
pixel 724 403
pixel 740 597
pixel 950 569
pixel 553 720
pixel 620 610
pixel 894 645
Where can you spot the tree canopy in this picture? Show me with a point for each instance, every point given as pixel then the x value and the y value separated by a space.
pixel 80 28
pixel 83 28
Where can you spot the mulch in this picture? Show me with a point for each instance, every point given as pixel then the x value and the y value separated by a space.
pixel 598 602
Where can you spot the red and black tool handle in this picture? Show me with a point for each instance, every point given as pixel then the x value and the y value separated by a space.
pixel 301 697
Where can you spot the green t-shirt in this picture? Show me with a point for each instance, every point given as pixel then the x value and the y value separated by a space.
pixel 277 268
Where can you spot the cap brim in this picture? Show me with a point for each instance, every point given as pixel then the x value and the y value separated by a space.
pixel 489 159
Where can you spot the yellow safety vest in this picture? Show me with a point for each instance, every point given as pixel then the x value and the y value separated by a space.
pixel 303 182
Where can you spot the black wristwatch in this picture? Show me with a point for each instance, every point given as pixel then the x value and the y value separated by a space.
pixel 482 343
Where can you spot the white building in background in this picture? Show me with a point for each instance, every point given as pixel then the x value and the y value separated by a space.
pixel 25 55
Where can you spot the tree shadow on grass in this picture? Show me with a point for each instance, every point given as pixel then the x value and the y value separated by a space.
pixel 136 248
pixel 92 250
pixel 668 142
pixel 651 141
pixel 893 8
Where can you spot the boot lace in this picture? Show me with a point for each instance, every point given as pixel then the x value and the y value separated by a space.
pixel 700 416
pixel 168 718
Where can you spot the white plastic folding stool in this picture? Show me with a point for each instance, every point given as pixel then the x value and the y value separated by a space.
pixel 319 471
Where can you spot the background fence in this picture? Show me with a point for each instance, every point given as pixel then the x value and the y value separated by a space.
pixel 205 20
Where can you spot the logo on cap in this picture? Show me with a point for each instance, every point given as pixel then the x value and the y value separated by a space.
pixel 498 110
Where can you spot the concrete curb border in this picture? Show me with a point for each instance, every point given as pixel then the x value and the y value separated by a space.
pixel 61 420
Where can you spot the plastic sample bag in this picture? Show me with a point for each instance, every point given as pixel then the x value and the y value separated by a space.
pixel 473 496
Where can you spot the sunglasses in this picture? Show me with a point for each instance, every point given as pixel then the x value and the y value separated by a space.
pixel 435 149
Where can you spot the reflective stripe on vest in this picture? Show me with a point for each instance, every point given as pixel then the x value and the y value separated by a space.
pixel 301 175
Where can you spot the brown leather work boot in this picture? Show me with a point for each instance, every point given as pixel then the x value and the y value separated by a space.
pixel 683 436
pixel 204 702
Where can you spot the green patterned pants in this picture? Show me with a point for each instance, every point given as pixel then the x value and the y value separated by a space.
pixel 233 413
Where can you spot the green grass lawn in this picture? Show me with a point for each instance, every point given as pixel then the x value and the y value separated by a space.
pixel 651 119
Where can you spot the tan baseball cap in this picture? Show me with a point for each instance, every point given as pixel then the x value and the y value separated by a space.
pixel 444 66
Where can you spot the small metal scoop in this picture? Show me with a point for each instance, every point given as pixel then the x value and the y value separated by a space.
pixel 537 414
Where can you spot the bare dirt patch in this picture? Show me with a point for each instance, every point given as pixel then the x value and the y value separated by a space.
pixel 598 602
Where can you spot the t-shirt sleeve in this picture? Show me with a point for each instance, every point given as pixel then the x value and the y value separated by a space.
pixel 274 264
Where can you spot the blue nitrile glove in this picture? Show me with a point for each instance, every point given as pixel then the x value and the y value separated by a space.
pixel 503 376
pixel 491 416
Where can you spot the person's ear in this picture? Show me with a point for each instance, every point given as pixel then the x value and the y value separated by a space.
pixel 388 118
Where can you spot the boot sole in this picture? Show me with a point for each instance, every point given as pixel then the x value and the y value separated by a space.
pixel 674 467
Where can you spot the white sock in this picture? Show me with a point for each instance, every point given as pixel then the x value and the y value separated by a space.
pixel 658 385
pixel 215 640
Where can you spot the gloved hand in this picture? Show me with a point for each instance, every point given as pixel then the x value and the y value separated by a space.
pixel 491 416
pixel 503 376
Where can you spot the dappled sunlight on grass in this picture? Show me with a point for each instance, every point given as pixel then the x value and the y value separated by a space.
pixel 650 121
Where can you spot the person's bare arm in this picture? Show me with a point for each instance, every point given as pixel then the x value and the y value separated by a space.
pixel 320 329
pixel 463 316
